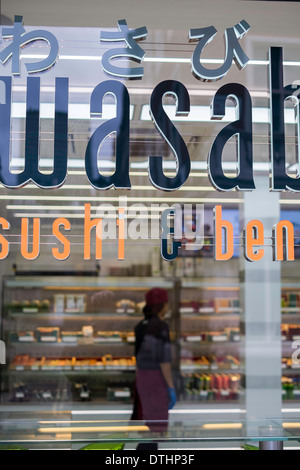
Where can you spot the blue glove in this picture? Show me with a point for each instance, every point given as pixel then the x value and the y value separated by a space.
pixel 172 397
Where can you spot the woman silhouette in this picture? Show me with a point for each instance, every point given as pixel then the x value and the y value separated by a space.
pixel 155 393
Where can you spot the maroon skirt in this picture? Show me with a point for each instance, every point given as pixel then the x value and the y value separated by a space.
pixel 152 399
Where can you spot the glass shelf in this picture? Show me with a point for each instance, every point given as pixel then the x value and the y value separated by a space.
pixel 71 370
pixel 90 283
pixel 66 315
pixel 70 344
pixel 37 431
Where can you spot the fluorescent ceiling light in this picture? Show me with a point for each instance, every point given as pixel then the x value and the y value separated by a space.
pixel 290 202
pixel 290 425
pixel 169 165
pixel 65 422
pixel 93 429
pixel 216 426
pixel 100 412
pixel 108 164
pixel 133 91
pixel 166 60
pixel 133 188
pixel 76 111
pixel 227 166
pixel 80 208
pixel 81 216
pixel 142 199
pixel 63 57
pixel 139 173
pixel 48 163
pixel 203 114
pixel 290 410
pixel 133 199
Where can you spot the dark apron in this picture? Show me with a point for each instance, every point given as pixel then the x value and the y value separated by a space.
pixel 151 399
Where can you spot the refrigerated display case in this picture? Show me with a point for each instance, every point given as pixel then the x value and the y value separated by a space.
pixel 210 353
pixel 71 338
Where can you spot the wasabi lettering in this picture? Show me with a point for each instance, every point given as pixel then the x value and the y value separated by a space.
pixel 234 51
pixel 132 51
pixel 20 39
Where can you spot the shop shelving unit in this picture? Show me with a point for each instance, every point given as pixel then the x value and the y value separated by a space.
pixel 57 369
pixel 50 367
pixel 210 365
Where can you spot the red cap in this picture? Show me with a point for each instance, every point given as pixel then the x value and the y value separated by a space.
pixel 156 296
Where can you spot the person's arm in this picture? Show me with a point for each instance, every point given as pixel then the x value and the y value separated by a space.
pixel 165 365
pixel 166 371
pixel 165 355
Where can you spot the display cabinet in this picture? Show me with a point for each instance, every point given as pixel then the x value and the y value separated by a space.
pixel 72 338
pixel 210 338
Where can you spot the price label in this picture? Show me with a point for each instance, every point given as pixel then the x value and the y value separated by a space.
pixel 20 395
pixel 122 394
pixel 48 339
pixel 219 338
pixel 70 339
pixel 206 310
pixel 26 339
pixel 192 339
